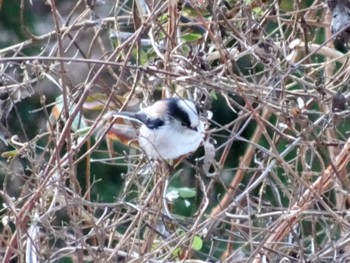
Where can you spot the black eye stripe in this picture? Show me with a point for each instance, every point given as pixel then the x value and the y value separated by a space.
pixel 151 123
pixel 154 123
pixel 175 111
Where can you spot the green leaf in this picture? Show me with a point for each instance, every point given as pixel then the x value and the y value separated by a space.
pixel 9 154
pixel 186 192
pixel 190 37
pixel 197 243
pixel 177 252
pixel 258 11
pixel 213 95
pixel 183 192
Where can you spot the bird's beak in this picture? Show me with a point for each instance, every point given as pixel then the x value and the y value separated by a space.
pixel 133 116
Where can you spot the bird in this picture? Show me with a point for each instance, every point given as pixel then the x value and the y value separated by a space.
pixel 170 128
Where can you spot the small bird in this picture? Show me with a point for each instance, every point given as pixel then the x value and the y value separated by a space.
pixel 170 128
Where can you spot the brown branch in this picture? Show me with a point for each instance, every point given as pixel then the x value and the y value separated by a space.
pixel 285 223
pixel 244 163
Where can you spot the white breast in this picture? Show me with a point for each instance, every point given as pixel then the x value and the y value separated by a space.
pixel 169 143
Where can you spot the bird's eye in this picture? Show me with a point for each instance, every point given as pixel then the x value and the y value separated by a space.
pixel 154 123
pixel 184 124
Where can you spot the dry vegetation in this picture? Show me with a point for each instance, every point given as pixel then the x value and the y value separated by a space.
pixel 277 186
